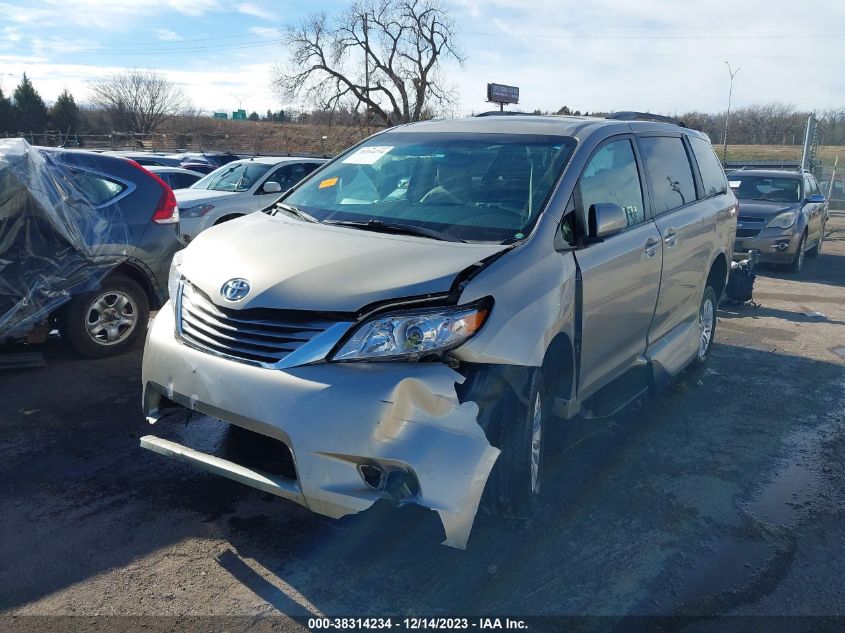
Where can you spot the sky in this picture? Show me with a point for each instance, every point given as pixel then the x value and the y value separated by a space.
pixel 664 56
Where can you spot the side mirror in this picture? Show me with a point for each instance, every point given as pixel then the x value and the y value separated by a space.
pixel 814 199
pixel 271 186
pixel 606 219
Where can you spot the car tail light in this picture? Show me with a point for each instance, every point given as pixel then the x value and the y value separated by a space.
pixel 166 210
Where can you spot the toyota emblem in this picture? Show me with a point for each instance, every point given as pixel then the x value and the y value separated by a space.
pixel 235 289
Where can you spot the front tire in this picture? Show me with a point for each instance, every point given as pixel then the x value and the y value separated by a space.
pixel 706 325
pixel 108 321
pixel 518 430
pixel 817 249
pixel 798 262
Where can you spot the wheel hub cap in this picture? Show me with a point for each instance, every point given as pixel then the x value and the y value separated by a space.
pixel 111 318
pixel 536 439
pixel 705 326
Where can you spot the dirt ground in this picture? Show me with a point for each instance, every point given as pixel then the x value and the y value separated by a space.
pixel 723 495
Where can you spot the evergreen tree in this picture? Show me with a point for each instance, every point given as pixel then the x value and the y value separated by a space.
pixel 254 117
pixel 6 115
pixel 64 115
pixel 29 108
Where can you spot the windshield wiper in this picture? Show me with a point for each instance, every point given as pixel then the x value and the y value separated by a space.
pixel 281 206
pixel 398 229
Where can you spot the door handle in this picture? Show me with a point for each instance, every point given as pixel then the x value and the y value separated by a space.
pixel 651 247
pixel 671 238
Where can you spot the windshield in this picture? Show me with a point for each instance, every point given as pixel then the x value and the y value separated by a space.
pixel 473 187
pixel 769 188
pixel 232 177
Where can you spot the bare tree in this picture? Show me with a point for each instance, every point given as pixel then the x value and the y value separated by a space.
pixel 137 101
pixel 382 56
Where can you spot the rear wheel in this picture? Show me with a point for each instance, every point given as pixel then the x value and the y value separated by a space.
pixel 108 321
pixel 798 262
pixel 518 430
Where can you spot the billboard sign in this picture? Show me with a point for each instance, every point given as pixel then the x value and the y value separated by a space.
pixel 239 115
pixel 499 93
pixel 221 115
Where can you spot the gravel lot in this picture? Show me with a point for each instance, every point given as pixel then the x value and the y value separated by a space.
pixel 724 495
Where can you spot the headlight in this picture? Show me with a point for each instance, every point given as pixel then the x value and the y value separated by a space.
pixel 783 220
pixel 409 335
pixel 196 211
pixel 175 275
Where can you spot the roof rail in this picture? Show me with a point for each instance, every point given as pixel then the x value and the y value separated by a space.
pixel 644 116
pixel 503 113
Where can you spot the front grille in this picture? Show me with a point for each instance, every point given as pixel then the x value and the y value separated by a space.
pixel 747 232
pixel 750 226
pixel 752 219
pixel 254 335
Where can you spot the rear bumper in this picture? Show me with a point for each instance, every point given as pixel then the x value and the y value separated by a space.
pixel 335 418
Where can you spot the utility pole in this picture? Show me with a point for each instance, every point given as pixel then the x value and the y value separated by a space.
pixel 728 114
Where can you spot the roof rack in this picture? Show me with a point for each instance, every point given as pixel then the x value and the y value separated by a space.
pixel 503 113
pixel 644 116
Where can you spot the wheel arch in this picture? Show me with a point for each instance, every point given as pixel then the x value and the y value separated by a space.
pixel 558 367
pixel 717 277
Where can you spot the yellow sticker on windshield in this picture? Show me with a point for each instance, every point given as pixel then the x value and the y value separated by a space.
pixel 328 182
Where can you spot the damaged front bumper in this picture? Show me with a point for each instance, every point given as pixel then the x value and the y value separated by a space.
pixel 348 427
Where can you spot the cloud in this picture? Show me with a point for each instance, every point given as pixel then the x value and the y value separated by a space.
pixel 250 8
pixel 166 35
pixel 265 31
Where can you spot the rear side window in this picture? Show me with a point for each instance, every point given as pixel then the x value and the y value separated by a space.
pixel 182 181
pixel 669 170
pixel 712 174
pixel 98 189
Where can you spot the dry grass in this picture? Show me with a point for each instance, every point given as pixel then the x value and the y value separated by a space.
pixel 827 153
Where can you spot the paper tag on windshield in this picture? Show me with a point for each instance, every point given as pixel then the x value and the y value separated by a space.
pixel 367 155
pixel 734 183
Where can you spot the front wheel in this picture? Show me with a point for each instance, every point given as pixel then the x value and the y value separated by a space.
pixel 817 249
pixel 798 262
pixel 518 431
pixel 706 324
pixel 108 321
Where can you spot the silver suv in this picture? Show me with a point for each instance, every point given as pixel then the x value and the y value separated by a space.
pixel 407 321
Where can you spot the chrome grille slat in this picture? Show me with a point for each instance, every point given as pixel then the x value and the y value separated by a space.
pixel 208 330
pixel 251 338
pixel 201 315
pixel 203 303
pixel 194 335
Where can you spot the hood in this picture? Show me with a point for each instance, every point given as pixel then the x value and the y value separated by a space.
pixel 186 198
pixel 762 209
pixel 297 265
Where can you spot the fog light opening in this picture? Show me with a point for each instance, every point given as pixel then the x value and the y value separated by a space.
pixel 782 245
pixel 401 485
pixel 373 475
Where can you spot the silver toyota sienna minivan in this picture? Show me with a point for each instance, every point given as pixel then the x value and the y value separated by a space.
pixel 406 323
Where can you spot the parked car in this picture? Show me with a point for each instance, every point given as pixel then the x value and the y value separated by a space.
pixel 199 167
pixel 148 159
pixel 87 240
pixel 176 177
pixel 238 188
pixel 406 323
pixel 214 159
pixel 782 215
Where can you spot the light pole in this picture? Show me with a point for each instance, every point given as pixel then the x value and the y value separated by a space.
pixel 728 114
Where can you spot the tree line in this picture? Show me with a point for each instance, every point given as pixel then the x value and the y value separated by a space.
pixel 137 102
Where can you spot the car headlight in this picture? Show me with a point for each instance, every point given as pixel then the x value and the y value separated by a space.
pixel 783 220
pixel 175 275
pixel 196 211
pixel 412 334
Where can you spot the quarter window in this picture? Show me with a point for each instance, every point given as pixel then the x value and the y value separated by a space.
pixel 612 176
pixel 97 189
pixel 712 174
pixel 670 172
